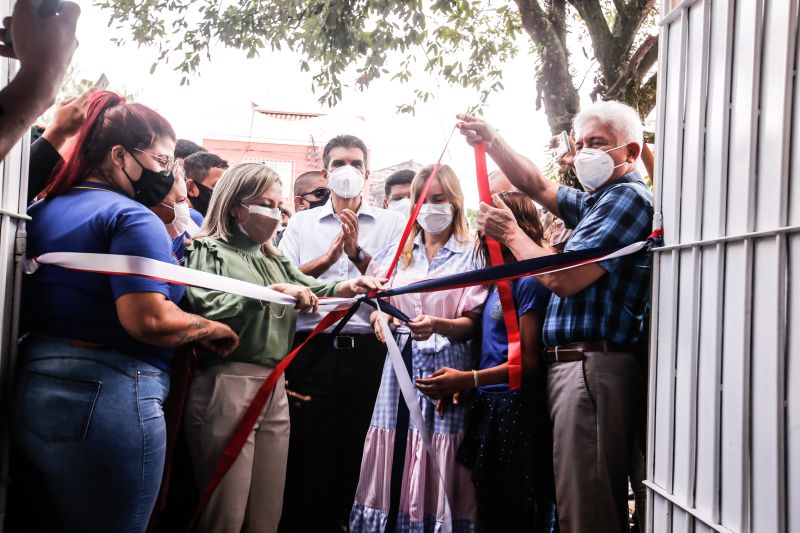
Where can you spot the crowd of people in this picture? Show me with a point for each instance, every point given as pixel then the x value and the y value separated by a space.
pixel 334 448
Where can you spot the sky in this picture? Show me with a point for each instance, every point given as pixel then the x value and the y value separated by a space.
pixel 219 98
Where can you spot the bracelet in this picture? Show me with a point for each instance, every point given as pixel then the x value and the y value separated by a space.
pixel 475 377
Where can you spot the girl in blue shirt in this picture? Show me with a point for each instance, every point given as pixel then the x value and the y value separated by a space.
pixel 507 442
pixel 94 369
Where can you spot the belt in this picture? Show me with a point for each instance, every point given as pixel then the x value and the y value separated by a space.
pixel 346 342
pixel 575 351
pixel 340 342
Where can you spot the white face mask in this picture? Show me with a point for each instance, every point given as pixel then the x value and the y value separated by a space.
pixel 271 212
pixel 182 220
pixel 400 206
pixel 435 218
pixel 594 166
pixel 263 225
pixel 346 181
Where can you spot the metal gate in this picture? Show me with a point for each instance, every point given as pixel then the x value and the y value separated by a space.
pixel 724 406
pixel 13 187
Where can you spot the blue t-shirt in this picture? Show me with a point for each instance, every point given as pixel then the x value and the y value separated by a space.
pixel 94 218
pixel 179 243
pixel 196 216
pixel 529 295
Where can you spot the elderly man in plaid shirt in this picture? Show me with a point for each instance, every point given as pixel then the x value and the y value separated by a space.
pixel 596 322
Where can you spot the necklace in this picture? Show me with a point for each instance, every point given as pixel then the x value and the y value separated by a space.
pixel 260 280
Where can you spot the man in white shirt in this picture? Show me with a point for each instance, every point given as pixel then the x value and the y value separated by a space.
pixel 334 379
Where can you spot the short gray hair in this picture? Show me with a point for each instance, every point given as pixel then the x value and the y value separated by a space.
pixel 621 119
pixel 239 184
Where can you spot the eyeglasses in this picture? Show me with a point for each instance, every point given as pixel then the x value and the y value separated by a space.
pixel 169 163
pixel 319 193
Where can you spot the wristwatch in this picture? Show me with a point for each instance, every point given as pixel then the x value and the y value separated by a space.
pixel 360 255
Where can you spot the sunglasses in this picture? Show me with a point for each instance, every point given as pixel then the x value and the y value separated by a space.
pixel 319 193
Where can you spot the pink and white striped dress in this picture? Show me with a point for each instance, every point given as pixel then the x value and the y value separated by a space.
pixel 421 505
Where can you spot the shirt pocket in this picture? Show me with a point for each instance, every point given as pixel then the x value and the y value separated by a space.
pixel 57 409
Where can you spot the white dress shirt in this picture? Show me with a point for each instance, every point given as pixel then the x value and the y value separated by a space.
pixel 309 235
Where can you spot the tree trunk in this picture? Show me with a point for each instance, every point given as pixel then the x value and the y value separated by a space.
pixel 553 79
pixel 622 69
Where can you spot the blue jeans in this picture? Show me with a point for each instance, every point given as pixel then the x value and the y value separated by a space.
pixel 91 421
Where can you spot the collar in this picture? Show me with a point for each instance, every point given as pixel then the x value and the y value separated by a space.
pixel 243 243
pixel 630 177
pixel 365 209
pixel 453 244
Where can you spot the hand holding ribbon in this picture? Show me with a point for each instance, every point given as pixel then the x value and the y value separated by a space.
pixel 498 222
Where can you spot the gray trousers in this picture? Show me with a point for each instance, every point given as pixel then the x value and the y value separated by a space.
pixel 593 406
pixel 251 493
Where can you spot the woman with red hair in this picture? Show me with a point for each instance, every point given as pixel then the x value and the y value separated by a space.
pixel 94 369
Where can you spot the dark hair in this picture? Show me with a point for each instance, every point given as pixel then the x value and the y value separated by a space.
pixel 527 217
pixel 302 178
pixel 184 148
pixel 198 164
pixel 401 177
pixel 343 141
pixel 110 121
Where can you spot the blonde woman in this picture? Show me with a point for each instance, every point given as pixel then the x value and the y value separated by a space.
pixel 236 241
pixel 399 489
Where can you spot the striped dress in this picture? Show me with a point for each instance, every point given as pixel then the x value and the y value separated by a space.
pixel 421 504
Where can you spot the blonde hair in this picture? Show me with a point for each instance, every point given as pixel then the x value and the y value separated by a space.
pixel 452 191
pixel 239 184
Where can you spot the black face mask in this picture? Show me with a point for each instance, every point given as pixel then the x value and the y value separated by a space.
pixel 201 201
pixel 152 187
pixel 320 193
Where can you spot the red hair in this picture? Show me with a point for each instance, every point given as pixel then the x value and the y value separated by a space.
pixel 110 121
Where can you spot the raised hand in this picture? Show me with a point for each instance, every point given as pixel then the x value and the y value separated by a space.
pixel 476 131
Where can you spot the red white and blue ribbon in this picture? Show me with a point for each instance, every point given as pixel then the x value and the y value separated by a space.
pixel 499 274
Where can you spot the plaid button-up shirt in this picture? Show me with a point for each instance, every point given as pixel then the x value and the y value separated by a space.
pixel 616 307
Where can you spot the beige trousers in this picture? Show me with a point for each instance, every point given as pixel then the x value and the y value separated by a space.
pixel 250 496
pixel 593 409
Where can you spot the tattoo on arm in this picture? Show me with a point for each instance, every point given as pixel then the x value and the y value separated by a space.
pixel 195 330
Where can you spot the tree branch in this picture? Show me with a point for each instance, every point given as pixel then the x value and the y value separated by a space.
pixel 558 19
pixel 647 54
pixel 647 96
pixel 592 14
pixel 628 23
pixel 636 68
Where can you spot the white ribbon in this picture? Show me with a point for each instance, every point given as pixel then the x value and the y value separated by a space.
pixel 627 250
pixel 409 393
pixel 152 268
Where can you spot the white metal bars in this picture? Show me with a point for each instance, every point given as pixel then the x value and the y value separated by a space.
pixel 724 431
pixel 13 191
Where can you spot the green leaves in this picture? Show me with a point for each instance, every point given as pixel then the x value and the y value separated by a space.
pixel 353 42
pixel 343 42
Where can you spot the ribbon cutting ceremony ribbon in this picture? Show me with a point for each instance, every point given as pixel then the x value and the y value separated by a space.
pixel 527 267
pixel 140 266
pixel 129 265
pixel 503 286
pixel 248 421
pixel 409 392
